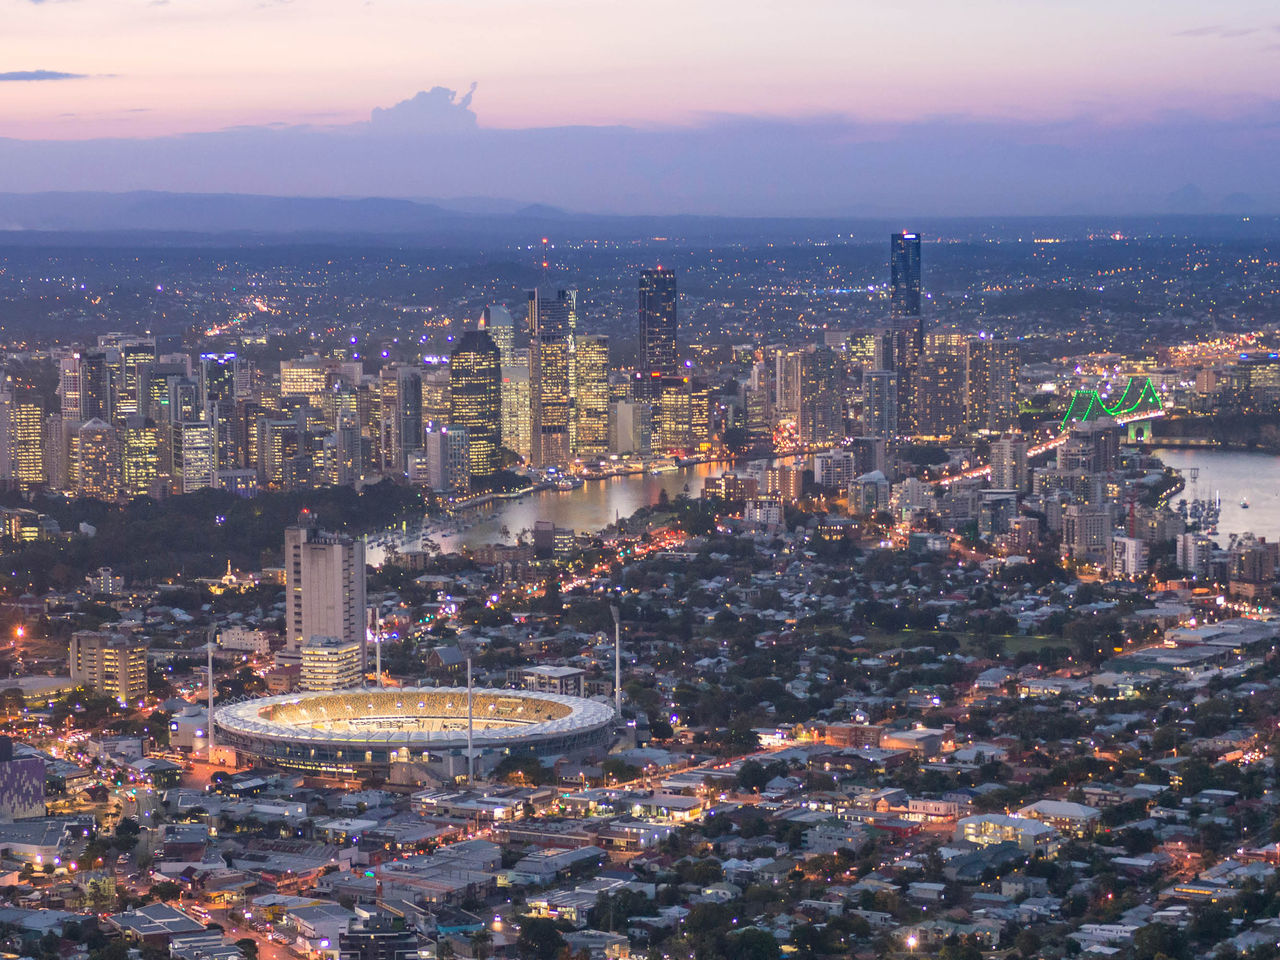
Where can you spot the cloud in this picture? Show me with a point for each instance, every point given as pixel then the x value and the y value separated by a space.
pixel 438 109
pixel 1218 30
pixel 431 145
pixel 22 76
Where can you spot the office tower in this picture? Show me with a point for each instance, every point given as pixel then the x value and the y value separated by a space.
pixel 69 386
pixel 435 395
pixel 821 397
pixel 223 377
pixel 324 578
pixel 516 404
pixel 139 456
pixel 475 399
pixel 673 417
pixel 97 392
pixel 496 321
pixel 861 349
pixel 939 396
pixel 195 455
pixel 278 444
pixel 880 404
pixel 1255 384
pixel 332 663
pixel 133 353
pixel 97 461
pixel 155 381
pixel 307 376
pixel 631 428
pixel 376 937
pixel 21 442
pixel 658 330
pixel 551 324
pixel 110 664
pixel 1009 463
pixel 446 460
pixel 401 392
pixel 591 395
pixel 991 384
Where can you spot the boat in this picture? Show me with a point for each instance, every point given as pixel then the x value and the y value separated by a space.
pixel 1244 504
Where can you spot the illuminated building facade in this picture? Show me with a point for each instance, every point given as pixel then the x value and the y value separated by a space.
pixel 475 399
pixel 591 395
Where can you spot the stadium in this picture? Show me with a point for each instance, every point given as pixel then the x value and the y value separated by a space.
pixel 364 731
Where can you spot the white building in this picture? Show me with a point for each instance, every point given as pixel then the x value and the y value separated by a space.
pixel 1129 556
pixel 324 575
pixel 244 640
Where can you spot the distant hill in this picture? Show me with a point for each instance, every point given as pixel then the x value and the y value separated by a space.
pixel 482 221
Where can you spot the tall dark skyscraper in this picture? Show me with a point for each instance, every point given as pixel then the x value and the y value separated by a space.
pixel 475 398
pixel 908 321
pixel 904 276
pixel 657 330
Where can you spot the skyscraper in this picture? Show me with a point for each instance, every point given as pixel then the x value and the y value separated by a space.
pixel 551 324
pixel 445 460
pixel 516 405
pixel 880 404
pixel 908 323
pixel 904 280
pixel 139 456
pixel 97 461
pixel 938 400
pixel 821 397
pixel 496 321
pixel 401 415
pixel 475 399
pixel 591 395
pixel 991 382
pixel 658 328
pixel 21 442
pixel 324 580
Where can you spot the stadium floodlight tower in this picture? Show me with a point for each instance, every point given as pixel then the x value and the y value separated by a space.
pixel 617 661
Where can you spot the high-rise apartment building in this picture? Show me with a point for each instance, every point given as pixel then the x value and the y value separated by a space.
pixel 991 384
pixel 880 404
pixel 444 463
pixel 475 399
pixel 821 397
pixel 324 585
pixel 658 330
pixel 938 401
pixel 110 664
pixel 551 328
pixel 630 428
pixel 591 395
pixel 1009 469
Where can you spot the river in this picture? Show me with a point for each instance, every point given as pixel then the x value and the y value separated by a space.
pixel 1233 476
pixel 591 507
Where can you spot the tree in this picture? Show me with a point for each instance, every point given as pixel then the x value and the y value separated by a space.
pixel 539 939
pixel 1157 939
pixel 753 944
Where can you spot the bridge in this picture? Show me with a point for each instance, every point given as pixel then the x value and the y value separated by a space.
pixel 1139 401
pixel 1137 404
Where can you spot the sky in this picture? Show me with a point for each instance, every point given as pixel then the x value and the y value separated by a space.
pixel 721 106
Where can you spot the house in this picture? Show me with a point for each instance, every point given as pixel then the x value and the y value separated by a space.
pixel 1073 819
